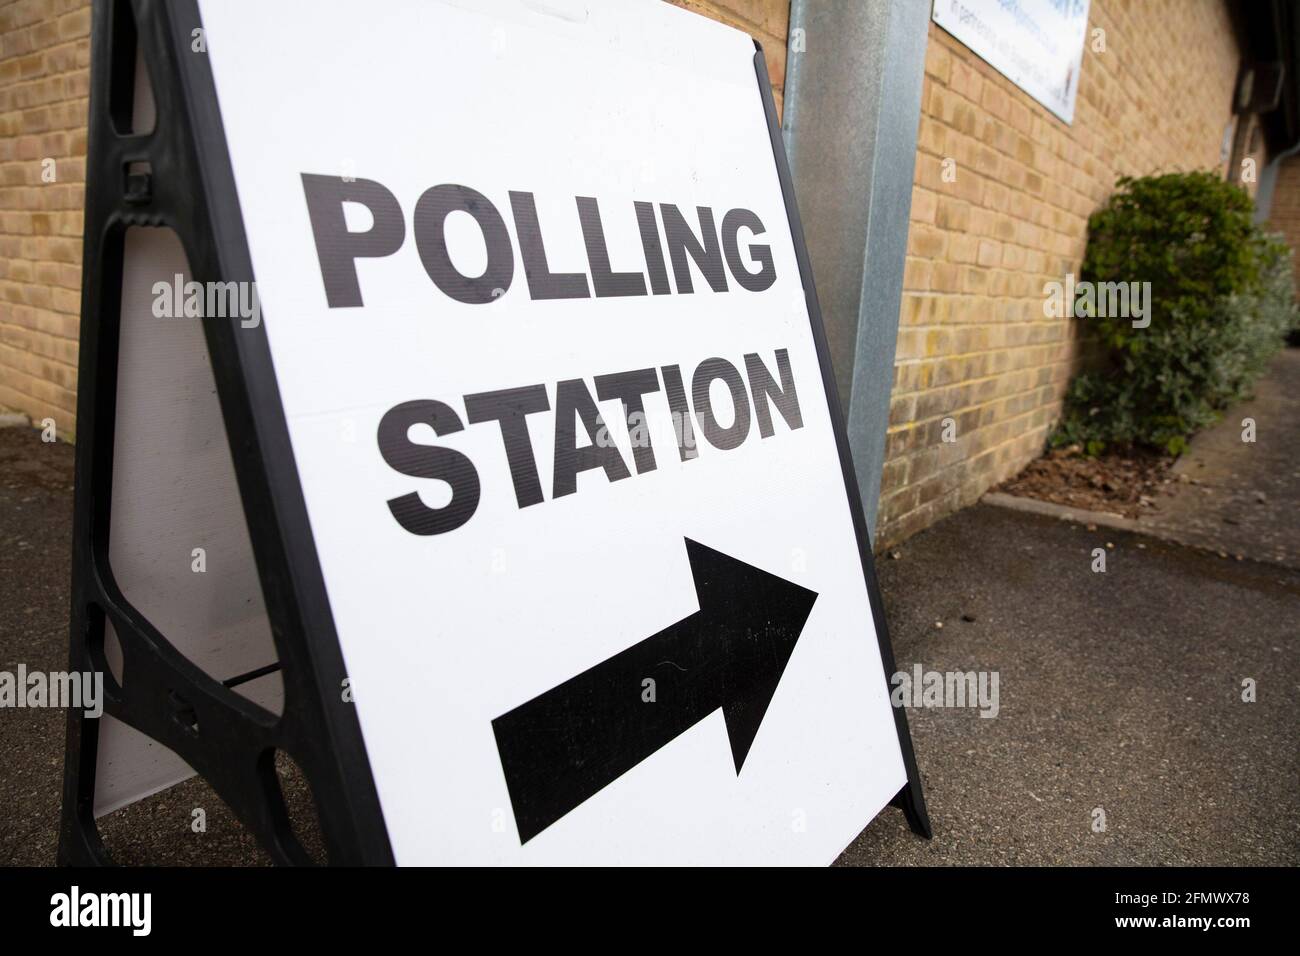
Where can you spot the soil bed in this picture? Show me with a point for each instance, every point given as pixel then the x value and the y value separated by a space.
pixel 1125 483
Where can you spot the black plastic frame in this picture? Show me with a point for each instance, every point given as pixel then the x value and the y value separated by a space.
pixel 910 798
pixel 191 189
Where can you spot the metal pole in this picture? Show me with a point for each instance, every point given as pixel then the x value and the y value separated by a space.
pixel 852 105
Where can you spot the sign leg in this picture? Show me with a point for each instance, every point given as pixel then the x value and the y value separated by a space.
pixel 910 801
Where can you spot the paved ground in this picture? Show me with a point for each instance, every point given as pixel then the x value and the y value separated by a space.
pixel 35 523
pixel 1119 690
pixel 1243 497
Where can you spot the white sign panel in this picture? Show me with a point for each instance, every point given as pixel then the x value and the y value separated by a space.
pixel 552 387
pixel 1036 44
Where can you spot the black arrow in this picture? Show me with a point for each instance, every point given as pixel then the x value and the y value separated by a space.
pixel 572 741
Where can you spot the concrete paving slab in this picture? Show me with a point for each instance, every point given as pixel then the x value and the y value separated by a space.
pixel 1243 497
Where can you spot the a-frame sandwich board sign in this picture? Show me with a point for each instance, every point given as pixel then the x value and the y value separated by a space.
pixel 510 498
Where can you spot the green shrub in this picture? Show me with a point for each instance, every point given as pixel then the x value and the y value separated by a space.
pixel 1221 303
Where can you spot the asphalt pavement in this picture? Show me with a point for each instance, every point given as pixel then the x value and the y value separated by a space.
pixel 1119 691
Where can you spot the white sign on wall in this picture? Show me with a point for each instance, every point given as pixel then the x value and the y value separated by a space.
pixel 1036 44
pixel 566 442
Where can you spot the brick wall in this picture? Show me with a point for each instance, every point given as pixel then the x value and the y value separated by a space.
pixel 1284 214
pixel 44 55
pixel 973 343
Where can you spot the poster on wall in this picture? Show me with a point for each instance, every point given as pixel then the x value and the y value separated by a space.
pixel 1036 44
